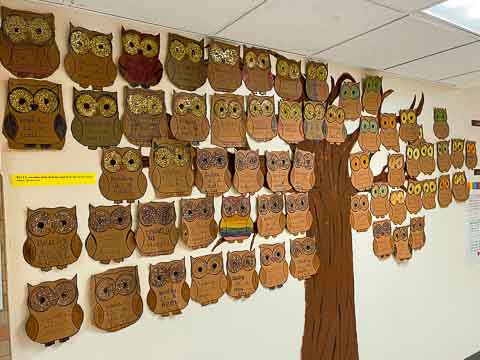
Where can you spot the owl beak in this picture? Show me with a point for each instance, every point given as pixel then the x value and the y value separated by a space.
pixel 34 107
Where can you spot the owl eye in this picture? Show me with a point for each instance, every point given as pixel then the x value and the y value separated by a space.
pixel 203 160
pixel 38 223
pixel 331 114
pixel 383 190
pixel 416 153
pixel 107 106
pixel 411 188
pixel 375 191
pixel 272 162
pixel 412 118
pixel 284 161
pixel 136 103
pixel 298 160
pixel 276 204
pixel 309 246
pixel 312 71
pixel 221 109
pixel 158 276
pixel 423 151
pixel 344 92
pixel 282 67
pixel 240 162
pixel 263 61
pixel 125 284
pixel 267 108
pixel 194 51
pixel 21 100
pixel 254 107
pixel 309 111
pixel 40 30
pixel 322 72
pixel 296 112
pixel 46 100
pixel 206 209
pixel 131 43
pixel 250 59
pixel 154 105
pixel 290 203
pixel 16 28
pixel 149 47
pixel 295 249
pixel 460 146
pixel 230 56
pixel 132 160
pixel 364 126
pixel 355 204
pixel 177 50
pixel 188 213
pixel 101 46
pixel 177 273
pixel 79 42
pixel 403 117
pixel 99 221
pixel 214 266
pixel 278 254
pixel 418 189
pixel 147 215
pixel 86 105
pixel 249 262
pixel 112 161
pixel 266 257
pixel 355 93
pixel 42 298
pixel 340 115
pixel 220 159
pixel 426 187
pixel 252 160
pixel 235 109
pixel 198 106
pixel 284 111
pixel 365 161
pixel 105 289
pixel 373 126
pixel 199 269
pixel 121 218
pixel 355 163
pixel 216 54
pixel 302 202
pixel 181 156
pixel 409 153
pixel 263 206
pixel 433 186
pixel 65 292
pixel 63 222
pixel 244 208
pixel 234 263
pixel 163 157
pixel 294 71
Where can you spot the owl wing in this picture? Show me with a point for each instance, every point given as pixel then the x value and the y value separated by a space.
pixel 312 179
pixel 137 305
pixel 111 72
pixel 344 132
pixel 32 327
pixel 352 221
pixel 263 276
pixel 77 316
pixel 379 142
pixel 285 270
pixel 189 177
pixel 199 180
pixel 131 244
pixel 98 316
pixel 77 129
pixel 282 221
pixel 117 131
pixel 29 252
pixel 227 178
pixel 205 128
pixel 91 245
pixel 254 280
pixel 229 284
pixel 223 283
pixel 293 268
pixel 151 300
pixel 142 183
pixel 194 290
pixel 185 293
pixel 260 178
pixel 104 185
pixel 174 233
pixel 76 246
pixel 235 181
pixel 316 263
pixel 260 224
pixel 325 129
pixel 213 229
pixel 309 219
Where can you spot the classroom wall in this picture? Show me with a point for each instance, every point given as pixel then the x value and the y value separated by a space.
pixel 424 309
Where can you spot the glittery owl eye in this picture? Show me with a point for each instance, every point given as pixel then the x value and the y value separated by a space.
pixel 215 54
pixel 267 108
pixel 312 71
pixel 252 160
pixel 220 109
pixel 163 157
pixel 149 47
pixel 132 160
pixel 220 159
pixel 206 209
pixel 121 218
pixel 105 289
pixel 244 207
pixel 79 42
pixel 16 28
pixel 263 61
pixel 158 276
pixel 177 273
pixel 125 284
pixel 254 107
pixel 40 30
pixel 250 59
pixel 235 109
pixel 20 100
pixel 272 160
pixel 198 107
pixel 203 160
pixel 131 43
pixel 177 50
pixel 46 100
pixel 284 110
pixel 296 112
pixel 154 105
pixel 63 222
pixel 282 67
pixel 42 298
pixel 322 72
pixel 234 263
pixel 65 292
pixel 194 52
pixel 309 111
pixel 147 215
pixel 101 46
pixel 38 223
pixel 294 71
pixel 86 105
pixel 99 221
pixel 188 212
pixel 107 106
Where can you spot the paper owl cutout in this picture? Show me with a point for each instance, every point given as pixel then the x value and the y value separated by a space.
pixel 416 238
pixel 457 153
pixel 388 132
pixel 209 282
pixel 278 169
pixel 440 123
pixel 444 191
pixel 299 217
pixel 236 224
pixel 350 101
pixel 360 216
pixel 302 176
pixel 224 67
pixel 242 277
pixel 227 116
pixel 382 239
pixel 460 187
pixel 369 138
pixel 189 121
pixel 444 161
pixel 427 158
pixel 261 119
pixel 270 218
pixel 402 250
pixel 314 117
pixel 334 128
pixel 413 159
pixel 257 70
pixel 248 177
pixel 212 176
pixel 288 80
pixel 198 225
pixel 362 175
pixel 396 170
pixel 379 203
pixel 316 86
pixel 397 210
pixel 471 159
pixel 290 124
pixel 372 94
pixel 304 261
pixel 274 268
pixel 409 129
pixel 413 198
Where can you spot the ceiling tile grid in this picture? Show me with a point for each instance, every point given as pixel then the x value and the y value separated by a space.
pixel 408 5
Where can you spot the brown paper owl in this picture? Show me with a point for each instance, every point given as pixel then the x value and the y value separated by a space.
pixel 185 64
pixel 396 170
pixel 122 177
pixel 316 86
pixel 334 128
pixel 369 138
pixel 460 187
pixel 257 70
pixel 444 191
pixel 372 94
pixel 156 232
pixel 388 132
pixel 304 261
pixel 189 120
pixel 227 116
pixel 349 100
pixel 52 239
pixel 397 210
pixel 409 129
pixel 236 224
pixel 427 158
pixel 270 219
pixel 261 119
pixel 274 268
pixel 299 217
pixel 440 123
pixel 54 313
pixel 288 80
pixel 413 198
pixel 212 176
pixel 379 203
pixel 96 122
pixel 402 250
pixel 362 175
pixel 248 177
pixel 34 116
pixel 224 67
pixel 290 124
pixel 429 194
pixel 116 299
pixel 416 240
pixel 413 159
pixel 313 119
pixel 111 237
pixel 169 292
pixel 444 161
pixel 170 170
pixel 360 216
pixel 471 159
pixel 198 226
pixel 209 282
pixel 278 169
pixel 89 59
pixel 27 43
pixel 242 277
pixel 457 151
pixel 302 176
pixel 382 239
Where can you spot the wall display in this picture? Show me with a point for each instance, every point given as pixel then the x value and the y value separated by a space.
pixel 122 177
pixel 413 159
pixel 379 203
pixel 360 216
pixel 440 123
pixel 288 79
pixel 248 177
pixel 185 64
pixel 413 197
pixel 111 237
pixel 362 175
pixel 316 86
pixel 189 120
pixel 444 161
pixel 372 94
pixel 209 282
pixel 382 239
pixel 96 122
pixel 52 239
pixel 409 129
pixel 242 277
pixel 34 116
pixel 429 194
pixel 27 43
pixel 144 117
pixel 198 226
pixel 89 59
pixel 416 238
pixel 299 217
pixel 170 170
pixel 116 300
pixel 389 133
pixel 304 262
pixel 471 159
pixel 169 292
pixel 290 123
pixel 227 115
pixel 224 67
pixel 278 170
pixel 397 210
pixel 427 158
pixel 236 224
pixel 460 187
pixel 261 119
pixel 402 250
pixel 156 232
pixel 313 119
pixel 274 268
pixel 257 70
pixel 302 176
pixel 139 63
pixel 350 101
pixel 369 138
pixel 457 151
pixel 212 176
pixel 270 219
pixel 444 191
pixel 54 312
pixel 334 128
pixel 396 170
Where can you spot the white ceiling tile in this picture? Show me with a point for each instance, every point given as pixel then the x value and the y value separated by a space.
pixel 307 26
pixel 464 81
pixel 408 5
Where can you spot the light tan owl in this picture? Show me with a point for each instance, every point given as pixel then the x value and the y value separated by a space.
pixel 360 216
pixel 413 198
pixel 396 170
pixel 388 132
pixel 350 100
pixel 427 158
pixel 413 159
pixel 402 250
pixel 270 219
pixel 212 175
pixel 299 217
pixel 198 226
pixel 302 176
pixel 278 170
pixel 457 152
pixel 304 261
pixel 274 267
pixel 444 191
pixel 460 187
pixel 369 138
pixel 471 159
pixel 361 174
pixel 382 239
pixel 444 160
pixel 397 210
pixel 334 128
pixel 290 122
pixel 379 200
pixel 288 79
pixel 228 120
pixel 409 129
pixel 429 194
pixel 261 119
pixel 189 120
pixel 416 238
pixel 209 282
pixel 242 277
pixel 248 177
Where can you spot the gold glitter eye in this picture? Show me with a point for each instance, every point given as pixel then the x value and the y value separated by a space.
pixel 319 111
pixel 220 109
pixel 16 28
pixel 216 54
pixel 131 43
pixel 112 161
pixel 263 61
pixel 311 71
pixel 180 156
pixel 267 108
pixel 254 107
pixel 177 50
pixel 40 30
pixel 101 46
pixel 154 105
pixel 195 52
pixel 198 106
pixel 137 103
pixel 132 160
pixel 282 67
pixel 322 72
pixel 296 112
pixel 162 157
pixel 149 47
pixel 86 105
pixel 294 71
pixel 21 100
pixel 230 56
pixel 250 59
pixel 46 100
pixel 284 110
pixel 107 106
pixel 79 42
pixel 309 111
pixel 235 109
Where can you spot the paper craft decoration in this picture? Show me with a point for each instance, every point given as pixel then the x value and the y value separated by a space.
pixel 139 63
pixel 209 282
pixel 440 123
pixel 288 80
pixel 382 239
pixel 372 94
pixel 189 121
pixel 274 268
pixel 270 219
pixel 379 199
pixel 444 161
pixel 116 298
pixel 299 217
pixel 52 239
pixel 34 116
pixel 96 122
pixel 111 237
pixel 290 124
pixel 144 117
pixel 224 67
pixel 457 151
pixel 402 250
pixel 169 292
pixel 278 169
pixel 302 176
pixel 396 170
pixel 413 159
pixel 170 170
pixel 227 115
pixel 236 224
pixel 257 70
pixel 369 138
pixel 361 174
pixel 89 59
pixel 416 238
pixel 360 216
pixel 460 188
pixel 242 277
pixel 27 43
pixel 316 86
pixel 444 191
pixel 314 117
pixel 427 158
pixel 213 176
pixel 185 64
pixel 413 198
pixel 122 177
pixel 334 128
pixel 304 261
pixel 471 159
pixel 429 193
pixel 397 210
pixel 54 313
pixel 198 226
pixel 248 177
pixel 156 232
pixel 409 130
pixel 261 119
pixel 350 101
pixel 388 132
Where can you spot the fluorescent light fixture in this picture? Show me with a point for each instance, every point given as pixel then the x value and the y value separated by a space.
pixel 462 13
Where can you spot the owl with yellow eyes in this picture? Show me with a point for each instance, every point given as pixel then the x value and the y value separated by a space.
pixel 261 119
pixel 388 132
pixel 444 191
pixel 396 170
pixel 189 120
pixel 362 175
pixel 288 81
pixel 314 117
pixel 444 160
pixel 224 67
pixel 334 128
pixel 471 159
pixel 413 199
pixel 427 158
pixel 460 188
pixel 398 210
pixel 228 120
pixel 457 154
pixel 257 70
pixel 413 159
pixel 316 86
pixel 409 130
pixel 290 123
pixel 429 193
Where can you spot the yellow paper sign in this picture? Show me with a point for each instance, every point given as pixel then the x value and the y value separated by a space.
pixel 53 179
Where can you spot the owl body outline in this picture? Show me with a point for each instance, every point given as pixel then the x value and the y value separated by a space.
pixel 198 227
pixel 388 132
pixel 302 175
pixel 189 121
pixel 379 199
pixel 382 239
pixel 334 128
pixel 314 119
pixel 290 121
pixel 416 238
pixel 316 85
pixel 271 219
pixel 350 100
pixel 402 250
pixel 212 174
pixel 471 159
pixel 209 282
pixel 257 70
pixel 304 260
pixel 262 123
pixel 242 277
pixel 360 216
pixel 224 70
pixel 228 120
pixel 299 217
pixel 278 170
pixel 248 176
pixel 288 81
pixel 274 267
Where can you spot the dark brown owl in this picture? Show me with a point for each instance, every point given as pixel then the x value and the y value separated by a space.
pixel 444 161
pixel 224 66
pixel 288 80
pixel 257 70
pixel 242 277
pixel 457 153
pixel 316 85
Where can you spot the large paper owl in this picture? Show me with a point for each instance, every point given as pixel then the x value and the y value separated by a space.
pixel 444 191
pixel 261 119
pixel 304 261
pixel 417 233
pixel 227 116
pixel 350 101
pixel 189 120
pixel 274 268
pixel 413 159
pixel 224 67
pixel 122 177
pixel 27 43
pixel 334 128
pixel 302 176
pixel 397 210
pixel 278 169
pixel 242 277
pixel 212 176
pixel 379 201
pixel 372 94
pixel 314 117
pixel 396 170
pixel 471 159
pixel 34 116
pixel 198 226
pixel 388 132
pixel 369 138
pixel 89 58
pixel 170 168
pixel 52 239
pixel 96 122
pixel 402 250
pixel 248 177
pixel 290 123
pixel 382 239
pixel 444 161
pixel 139 63
pixel 362 175
pixel 360 216
pixel 257 70
pixel 209 282
pixel 185 64
pixel 169 292
pixel 299 217
pixel 156 232
pixel 440 123
pixel 429 194
pixel 427 158
pixel 460 187
pixel 409 129
pixel 316 86
pixel 270 218
pixel 236 224
pixel 116 298
pixel 288 80
pixel 457 153
pixel 54 313
pixel 413 198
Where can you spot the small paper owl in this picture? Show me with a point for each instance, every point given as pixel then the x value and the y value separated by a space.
pixel 458 156
pixel 350 101
pixel 299 217
pixel 396 170
pixel 54 313
pixel 382 239
pixel 440 123
pixel 185 64
pixel 34 116
pixel 397 210
pixel 52 239
pixel 413 159
pixel 224 67
pixel 248 177
pixel 316 86
pixel 334 128
pixel 189 120
pixel 96 122
pixel 360 216
pixel 444 191
pixel 416 240
pixel 288 81
pixel 413 198
pixel 227 116
pixel 362 175
pixel 460 187
pixel 139 63
pixel 116 298
pixel 429 193
pixel 304 261
pixel 471 159
pixel 212 176
pixel 261 119
pixel 236 224
pixel 369 138
pixel 427 158
pixel 274 268
pixel 290 124
pixel 122 177
pixel 257 70
pixel 372 94
pixel 409 129
pixel 402 250
pixel 379 203
pixel 170 170
pixel 198 226
pixel 388 132
pixel 270 219
pixel 27 43
pixel 314 117
pixel 302 176
pixel 209 282
pixel 444 161
pixel 156 232
pixel 169 292
pixel 89 58
pixel 242 277
pixel 278 169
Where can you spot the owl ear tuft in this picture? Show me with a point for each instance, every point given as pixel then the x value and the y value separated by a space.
pixel 29 288
pixel 29 212
pixel 74 280
pixel 123 30
pixel 90 207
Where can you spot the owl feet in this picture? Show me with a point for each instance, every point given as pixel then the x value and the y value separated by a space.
pixel 177 312
pixel 96 87
pixel 61 267
pixel 118 260
pixel 105 262
pixel 46 268
pixel 65 339
pixel 117 202
pixel 49 343
pixel 92 147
